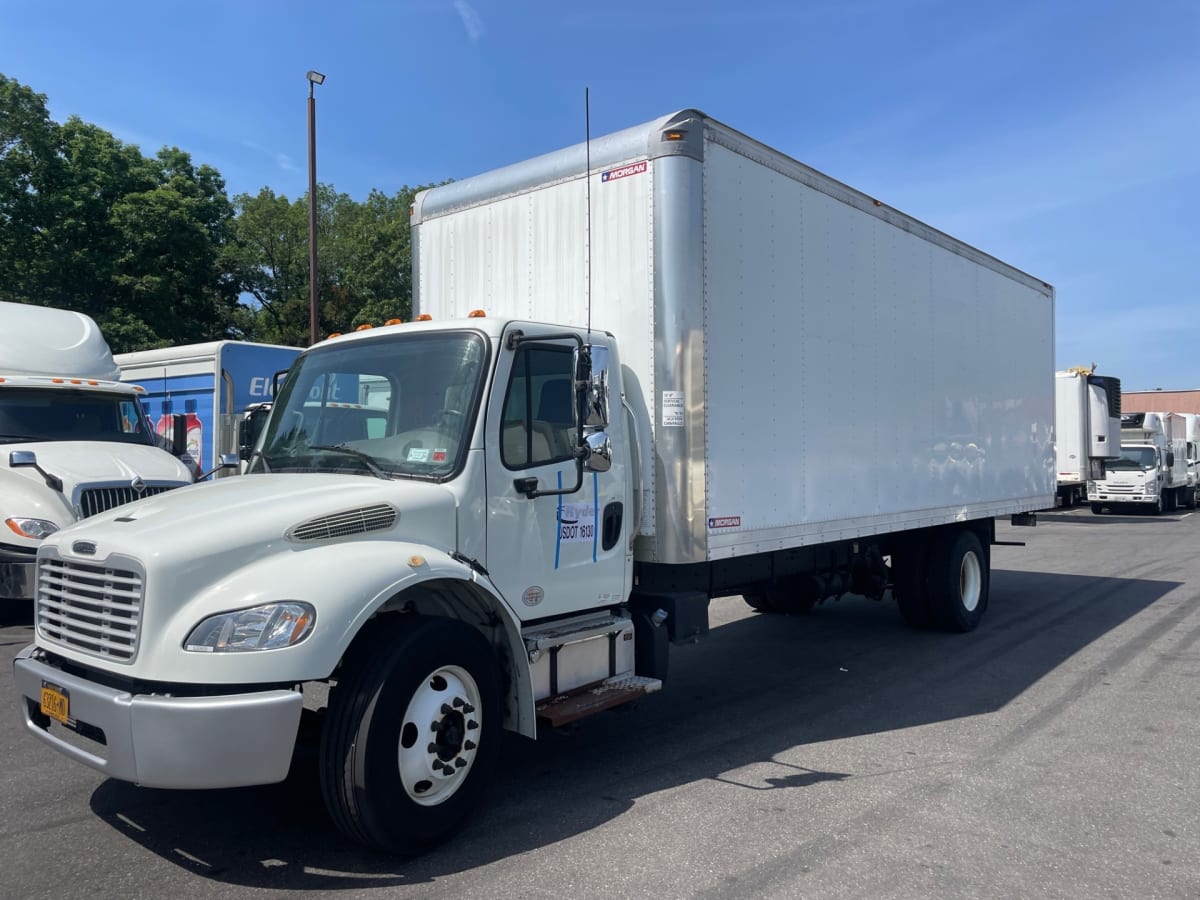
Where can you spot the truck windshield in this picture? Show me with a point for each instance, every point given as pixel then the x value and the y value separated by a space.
pixel 391 405
pixel 44 414
pixel 1135 458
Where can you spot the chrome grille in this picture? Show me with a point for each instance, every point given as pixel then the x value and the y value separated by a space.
pixel 98 500
pixel 343 524
pixel 89 607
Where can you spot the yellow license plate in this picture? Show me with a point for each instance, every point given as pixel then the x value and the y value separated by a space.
pixel 56 703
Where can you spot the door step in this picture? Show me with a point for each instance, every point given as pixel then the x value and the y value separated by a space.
pixel 597 698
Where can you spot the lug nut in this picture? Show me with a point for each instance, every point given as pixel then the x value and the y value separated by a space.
pixel 469 745
pixel 459 701
pixel 446 709
pixel 472 724
pixel 460 763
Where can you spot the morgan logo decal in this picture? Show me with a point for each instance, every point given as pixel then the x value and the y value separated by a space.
pixel 725 522
pixel 623 172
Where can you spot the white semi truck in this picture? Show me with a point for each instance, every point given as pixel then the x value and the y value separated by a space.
pixel 1087 429
pixel 506 513
pixel 75 441
pixel 1152 471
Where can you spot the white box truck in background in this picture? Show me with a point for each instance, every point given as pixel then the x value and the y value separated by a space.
pixel 1152 471
pixel 781 388
pixel 1087 429
pixel 75 440
pixel 1192 430
pixel 212 384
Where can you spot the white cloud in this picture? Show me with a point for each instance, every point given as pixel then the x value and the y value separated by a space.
pixel 470 19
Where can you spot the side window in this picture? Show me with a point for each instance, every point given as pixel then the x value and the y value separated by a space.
pixel 538 425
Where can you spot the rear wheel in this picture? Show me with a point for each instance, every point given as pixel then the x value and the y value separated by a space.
pixel 958 581
pixel 784 596
pixel 412 733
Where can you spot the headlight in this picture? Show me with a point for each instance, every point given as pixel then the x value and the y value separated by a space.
pixel 31 528
pixel 269 627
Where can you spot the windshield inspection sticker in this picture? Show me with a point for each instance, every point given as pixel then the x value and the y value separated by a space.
pixel 672 409
pixel 418 454
pixel 439 455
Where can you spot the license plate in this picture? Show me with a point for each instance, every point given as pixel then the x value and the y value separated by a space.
pixel 56 703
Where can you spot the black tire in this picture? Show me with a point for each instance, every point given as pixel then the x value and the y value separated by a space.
pixel 1097 508
pixel 910 569
pixel 1190 501
pixel 958 581
pixel 757 601
pixel 387 689
pixel 784 597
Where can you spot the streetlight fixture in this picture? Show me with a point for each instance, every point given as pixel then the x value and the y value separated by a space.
pixel 314 78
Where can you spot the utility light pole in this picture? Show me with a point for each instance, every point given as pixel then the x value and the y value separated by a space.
pixel 314 78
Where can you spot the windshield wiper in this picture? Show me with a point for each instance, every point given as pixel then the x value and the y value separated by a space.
pixel 357 454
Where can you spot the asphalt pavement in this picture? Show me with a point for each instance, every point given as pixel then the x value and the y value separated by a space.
pixel 1051 753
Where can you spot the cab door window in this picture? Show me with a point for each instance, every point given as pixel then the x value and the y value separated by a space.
pixel 538 425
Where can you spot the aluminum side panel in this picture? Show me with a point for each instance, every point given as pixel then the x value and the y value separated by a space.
pixel 859 376
pixel 679 405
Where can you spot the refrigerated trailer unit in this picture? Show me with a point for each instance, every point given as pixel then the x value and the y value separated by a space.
pixel 1087 429
pixel 743 378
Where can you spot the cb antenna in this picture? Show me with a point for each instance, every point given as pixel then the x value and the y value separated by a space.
pixel 587 150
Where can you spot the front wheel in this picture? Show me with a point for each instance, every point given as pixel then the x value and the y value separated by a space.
pixel 958 581
pixel 412 733
pixel 1097 508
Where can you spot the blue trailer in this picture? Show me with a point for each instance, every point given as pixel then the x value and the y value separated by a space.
pixel 210 384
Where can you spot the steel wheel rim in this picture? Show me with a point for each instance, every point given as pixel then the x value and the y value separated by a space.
pixel 970 582
pixel 439 737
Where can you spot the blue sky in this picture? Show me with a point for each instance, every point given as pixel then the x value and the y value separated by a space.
pixel 1062 137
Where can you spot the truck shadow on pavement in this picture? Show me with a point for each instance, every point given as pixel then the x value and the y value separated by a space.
pixel 758 687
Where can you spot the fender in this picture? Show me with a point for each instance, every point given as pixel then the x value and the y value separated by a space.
pixel 349 583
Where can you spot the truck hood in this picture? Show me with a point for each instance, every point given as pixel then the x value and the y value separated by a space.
pixel 82 463
pixel 192 537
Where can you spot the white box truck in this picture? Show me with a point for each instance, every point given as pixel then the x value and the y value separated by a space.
pixel 1192 429
pixel 780 388
pixel 75 441
pixel 1087 429
pixel 212 384
pixel 1152 471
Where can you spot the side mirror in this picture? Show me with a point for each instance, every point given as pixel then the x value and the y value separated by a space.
pixel 1170 459
pixel 598 456
pixel 19 459
pixel 250 428
pixel 178 435
pixel 591 368
pixel 595 407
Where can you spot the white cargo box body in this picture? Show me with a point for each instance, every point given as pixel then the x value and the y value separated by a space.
pixel 816 366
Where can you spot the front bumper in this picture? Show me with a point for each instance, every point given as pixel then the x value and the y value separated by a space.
pixel 17 573
pixel 163 741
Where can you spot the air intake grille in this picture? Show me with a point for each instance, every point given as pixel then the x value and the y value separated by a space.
pixel 98 500
pixel 89 607
pixel 344 524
